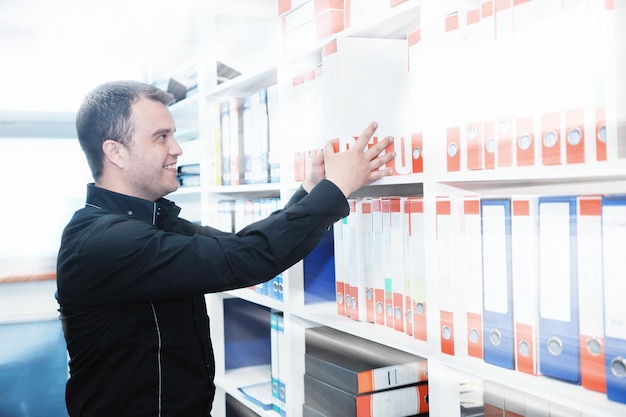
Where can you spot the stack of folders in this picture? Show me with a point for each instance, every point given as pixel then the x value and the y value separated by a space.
pixel 188 175
pixel 379 263
pixel 346 375
pixel 546 293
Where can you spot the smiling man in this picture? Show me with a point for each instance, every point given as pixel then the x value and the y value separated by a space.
pixel 131 274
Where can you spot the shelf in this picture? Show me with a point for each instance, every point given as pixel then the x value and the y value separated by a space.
pixel 325 314
pixel 394 23
pixel 607 177
pixel 254 297
pixel 573 396
pixel 187 191
pixel 248 190
pixel 233 380
pixel 243 85
pixel 397 185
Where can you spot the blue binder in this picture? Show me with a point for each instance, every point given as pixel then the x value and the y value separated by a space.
pixel 498 325
pixel 614 265
pixel 559 355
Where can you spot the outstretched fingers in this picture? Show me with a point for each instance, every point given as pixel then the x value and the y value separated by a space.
pixel 374 153
pixel 365 137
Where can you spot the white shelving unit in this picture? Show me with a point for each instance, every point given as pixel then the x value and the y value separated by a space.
pixel 446 372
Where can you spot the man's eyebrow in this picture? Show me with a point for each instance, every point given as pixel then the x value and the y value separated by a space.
pixel 162 131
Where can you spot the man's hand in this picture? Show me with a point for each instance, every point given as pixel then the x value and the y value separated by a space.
pixel 317 171
pixel 351 169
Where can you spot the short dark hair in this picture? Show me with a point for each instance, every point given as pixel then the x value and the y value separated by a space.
pixel 106 114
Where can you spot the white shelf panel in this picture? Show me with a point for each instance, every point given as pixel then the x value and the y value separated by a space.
pixel 572 396
pixel 247 190
pixel 194 191
pixel 256 298
pixel 325 314
pixel 234 379
pixel 244 85
pixel 606 177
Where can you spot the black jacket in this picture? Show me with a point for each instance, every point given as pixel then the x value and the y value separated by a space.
pixel 131 278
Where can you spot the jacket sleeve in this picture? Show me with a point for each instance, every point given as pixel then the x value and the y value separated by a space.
pixel 133 261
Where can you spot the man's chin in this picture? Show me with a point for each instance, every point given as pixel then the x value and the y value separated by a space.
pixel 173 189
pixel 170 189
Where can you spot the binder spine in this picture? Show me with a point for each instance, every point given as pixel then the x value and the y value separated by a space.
pixel 559 355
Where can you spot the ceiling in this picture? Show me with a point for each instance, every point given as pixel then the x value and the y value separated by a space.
pixel 53 52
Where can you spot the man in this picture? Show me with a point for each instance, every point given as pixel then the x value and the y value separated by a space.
pixel 131 274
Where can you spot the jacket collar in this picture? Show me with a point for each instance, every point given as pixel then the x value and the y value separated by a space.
pixel 149 211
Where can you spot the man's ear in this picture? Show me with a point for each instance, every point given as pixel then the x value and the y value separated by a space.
pixel 114 152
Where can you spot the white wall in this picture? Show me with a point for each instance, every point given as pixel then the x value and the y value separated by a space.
pixel 42 182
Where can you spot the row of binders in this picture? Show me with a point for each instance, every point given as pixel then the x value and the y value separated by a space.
pixel 233 215
pixel 379 263
pixel 247 140
pixel 502 84
pixel 346 375
pixel 532 283
pixel 522 83
pixel 305 23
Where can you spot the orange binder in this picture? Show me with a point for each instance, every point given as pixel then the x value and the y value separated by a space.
pixel 503 78
pixel 524 247
pixel 578 79
pixel 489 150
pixel 473 270
pixel 417 152
pixel 474 146
pixel 473 92
pixel 453 148
pixel 357 297
pixel 398 231
pixel 416 261
pixel 525 141
pixel 551 138
pixel 600 133
pixel 446 315
pixel 370 249
pixel 341 267
pixel 416 100
pixel 451 43
pixel 590 296
pixel 575 136
pixel 378 261
pixel 452 312
pixel 403 162
pixel 407 272
pixel 504 141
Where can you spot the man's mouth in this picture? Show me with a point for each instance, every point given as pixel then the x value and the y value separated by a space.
pixel 171 167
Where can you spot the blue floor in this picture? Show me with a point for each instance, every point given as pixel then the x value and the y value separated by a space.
pixel 33 370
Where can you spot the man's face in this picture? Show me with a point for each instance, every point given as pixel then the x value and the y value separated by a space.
pixel 153 151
